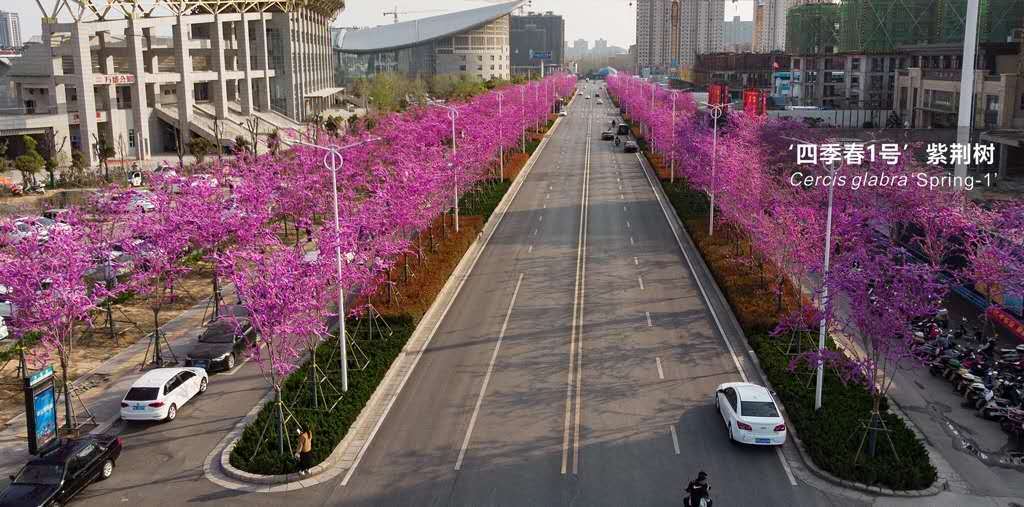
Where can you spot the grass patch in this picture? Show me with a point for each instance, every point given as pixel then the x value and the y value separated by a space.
pixel 482 200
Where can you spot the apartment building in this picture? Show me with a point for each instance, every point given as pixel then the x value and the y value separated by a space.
pixel 671 33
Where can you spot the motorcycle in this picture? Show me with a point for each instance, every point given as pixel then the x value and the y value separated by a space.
pixel 617 141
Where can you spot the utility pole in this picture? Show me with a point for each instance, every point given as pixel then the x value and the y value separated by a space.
pixel 965 114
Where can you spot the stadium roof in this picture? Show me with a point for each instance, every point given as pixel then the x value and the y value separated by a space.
pixel 413 33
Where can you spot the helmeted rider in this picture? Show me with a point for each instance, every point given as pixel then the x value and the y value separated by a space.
pixel 698 489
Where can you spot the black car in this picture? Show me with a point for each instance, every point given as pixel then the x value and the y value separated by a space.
pixel 607 135
pixel 63 471
pixel 630 147
pixel 223 340
pixel 623 129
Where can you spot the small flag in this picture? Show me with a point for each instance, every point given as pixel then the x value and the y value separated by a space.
pixel 775 65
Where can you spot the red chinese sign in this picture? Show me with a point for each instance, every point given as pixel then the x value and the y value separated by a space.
pixel 114 79
pixel 755 101
pixel 718 94
pixel 1007 321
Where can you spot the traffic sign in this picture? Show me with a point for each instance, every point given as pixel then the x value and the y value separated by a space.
pixel 540 55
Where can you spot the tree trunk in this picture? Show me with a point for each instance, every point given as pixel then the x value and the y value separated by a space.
pixel 69 416
pixel 280 421
pixel 157 357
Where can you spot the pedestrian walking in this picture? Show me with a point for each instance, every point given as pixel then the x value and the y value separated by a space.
pixel 305 453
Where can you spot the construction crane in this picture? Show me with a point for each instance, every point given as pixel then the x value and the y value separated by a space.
pixel 395 12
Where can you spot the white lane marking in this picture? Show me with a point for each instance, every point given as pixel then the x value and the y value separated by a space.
pixel 623 208
pixel 785 466
pixel 711 309
pixel 487 376
pixel 700 285
pixel 675 439
pixel 636 261
pixel 649 323
pixel 530 250
pixel 535 232
pixel 540 218
pixel 622 196
pixel 576 357
pixel 628 225
pixel 641 280
pixel 631 242
pixel 235 370
pixel 661 372
pixel 545 205
pixel 551 187
pixel 547 195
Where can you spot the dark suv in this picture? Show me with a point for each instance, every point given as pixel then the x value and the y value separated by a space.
pixel 62 471
pixel 223 341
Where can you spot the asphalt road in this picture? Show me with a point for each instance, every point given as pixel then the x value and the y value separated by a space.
pixel 561 375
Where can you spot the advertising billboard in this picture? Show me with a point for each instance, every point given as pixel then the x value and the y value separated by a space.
pixel 40 409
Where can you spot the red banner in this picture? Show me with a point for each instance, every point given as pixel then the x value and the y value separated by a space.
pixel 1006 320
pixel 755 101
pixel 718 93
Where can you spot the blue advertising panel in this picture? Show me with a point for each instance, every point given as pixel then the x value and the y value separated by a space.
pixel 40 409
pixel 46 416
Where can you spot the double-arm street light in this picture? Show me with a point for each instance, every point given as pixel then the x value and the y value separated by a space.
pixel 716 113
pixel 333 161
pixel 453 114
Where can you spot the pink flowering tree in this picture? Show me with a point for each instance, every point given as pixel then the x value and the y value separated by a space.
pixel 46 282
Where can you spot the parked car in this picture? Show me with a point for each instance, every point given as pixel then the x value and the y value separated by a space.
pixel 141 201
pixel 630 147
pixel 600 102
pixel 4 332
pixel 563 113
pixel 41 227
pixel 607 135
pixel 62 471
pixel 750 414
pixel 157 395
pixel 223 341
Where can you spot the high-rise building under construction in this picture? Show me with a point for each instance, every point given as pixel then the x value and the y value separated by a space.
pixel 882 25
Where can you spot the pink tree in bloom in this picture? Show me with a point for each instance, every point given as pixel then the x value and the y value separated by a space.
pixel 46 281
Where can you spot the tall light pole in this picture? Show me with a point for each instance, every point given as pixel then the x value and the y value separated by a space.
pixel 333 161
pixel 672 164
pixel 453 114
pixel 716 113
pixel 522 102
pixel 820 378
pixel 965 113
pixel 501 145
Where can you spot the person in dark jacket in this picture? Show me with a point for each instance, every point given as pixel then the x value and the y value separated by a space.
pixel 698 489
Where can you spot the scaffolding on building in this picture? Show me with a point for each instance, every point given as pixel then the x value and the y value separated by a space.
pixel 812 28
pixel 879 26
pixel 104 10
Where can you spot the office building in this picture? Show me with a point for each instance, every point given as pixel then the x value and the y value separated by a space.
pixel 146 85
pixel 537 33
pixel 671 33
pixel 10 30
pixel 737 35
pixel 473 43
pixel 845 80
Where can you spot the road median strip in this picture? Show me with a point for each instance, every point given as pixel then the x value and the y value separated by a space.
pixel 345 457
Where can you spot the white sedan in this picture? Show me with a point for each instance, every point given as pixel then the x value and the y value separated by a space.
pixel 750 414
pixel 157 395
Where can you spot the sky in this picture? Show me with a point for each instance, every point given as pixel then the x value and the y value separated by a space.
pixel 613 20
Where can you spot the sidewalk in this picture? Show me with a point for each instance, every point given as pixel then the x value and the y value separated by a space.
pixel 112 379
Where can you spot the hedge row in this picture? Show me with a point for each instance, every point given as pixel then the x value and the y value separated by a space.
pixel 832 436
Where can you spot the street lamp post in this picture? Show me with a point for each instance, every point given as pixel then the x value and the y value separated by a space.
pixel 672 164
pixel 716 113
pixel 453 114
pixel 501 145
pixel 333 161
pixel 820 379
pixel 522 102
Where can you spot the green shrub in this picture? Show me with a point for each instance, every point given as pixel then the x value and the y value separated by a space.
pixel 482 200
pixel 259 456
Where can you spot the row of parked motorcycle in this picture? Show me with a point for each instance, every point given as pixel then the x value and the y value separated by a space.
pixel 989 377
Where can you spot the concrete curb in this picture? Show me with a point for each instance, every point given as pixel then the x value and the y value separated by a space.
pixel 715 292
pixel 357 439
